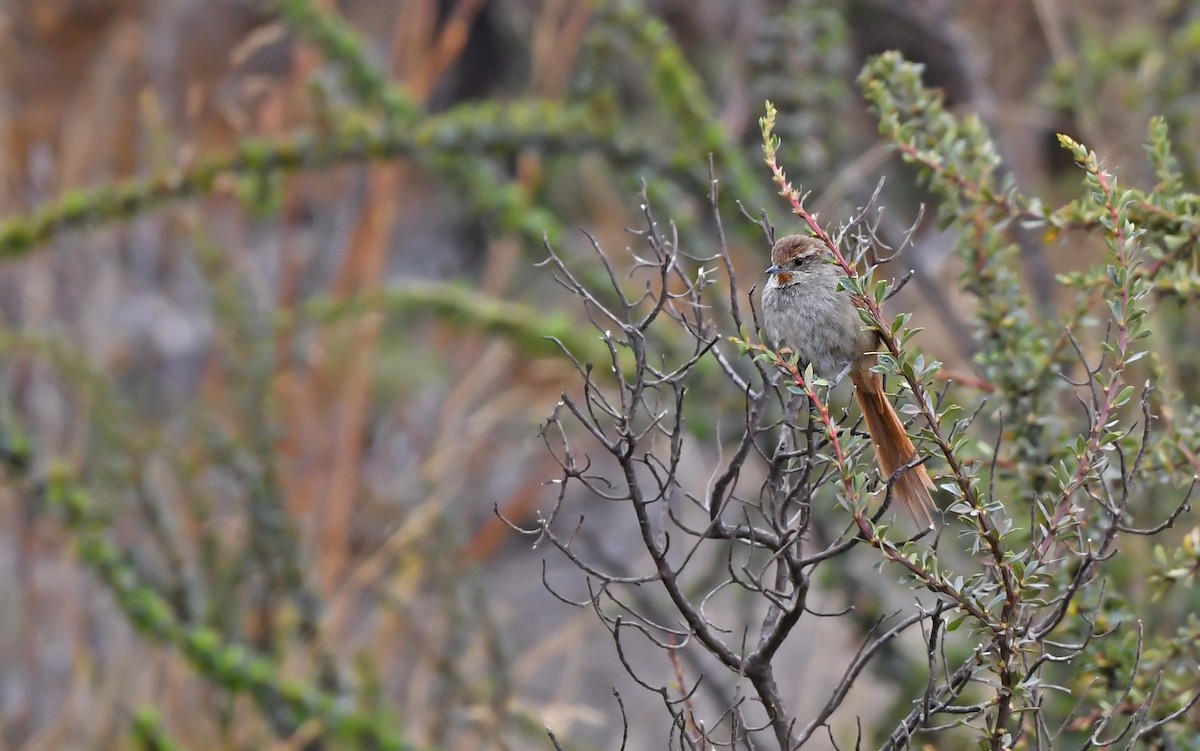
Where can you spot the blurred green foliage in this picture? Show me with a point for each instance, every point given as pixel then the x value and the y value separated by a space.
pixel 1037 472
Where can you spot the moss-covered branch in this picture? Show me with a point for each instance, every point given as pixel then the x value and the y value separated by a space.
pixel 532 331
pixel 343 46
pixel 232 667
pixel 683 94
pixel 469 130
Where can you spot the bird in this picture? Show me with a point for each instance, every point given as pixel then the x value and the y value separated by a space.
pixel 804 310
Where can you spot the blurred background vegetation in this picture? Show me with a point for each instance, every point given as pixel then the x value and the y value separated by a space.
pixel 274 331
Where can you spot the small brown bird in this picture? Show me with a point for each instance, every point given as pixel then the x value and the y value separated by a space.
pixel 803 309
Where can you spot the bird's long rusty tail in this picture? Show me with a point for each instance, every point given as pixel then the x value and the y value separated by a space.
pixel 893 448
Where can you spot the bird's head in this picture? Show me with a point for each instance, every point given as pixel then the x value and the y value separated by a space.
pixel 793 256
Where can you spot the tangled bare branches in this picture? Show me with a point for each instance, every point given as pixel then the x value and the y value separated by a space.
pixel 724 571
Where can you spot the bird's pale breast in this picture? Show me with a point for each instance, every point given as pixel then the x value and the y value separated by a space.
pixel 817 321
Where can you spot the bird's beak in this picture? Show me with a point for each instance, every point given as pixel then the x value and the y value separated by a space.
pixel 774 269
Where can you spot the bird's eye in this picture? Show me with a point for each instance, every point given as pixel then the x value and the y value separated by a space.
pixel 797 262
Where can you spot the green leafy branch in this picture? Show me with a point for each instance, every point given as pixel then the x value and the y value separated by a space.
pixel 343 46
pixel 532 330
pixel 681 93
pixel 469 129
pixel 1127 306
pixel 233 667
pixel 869 297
